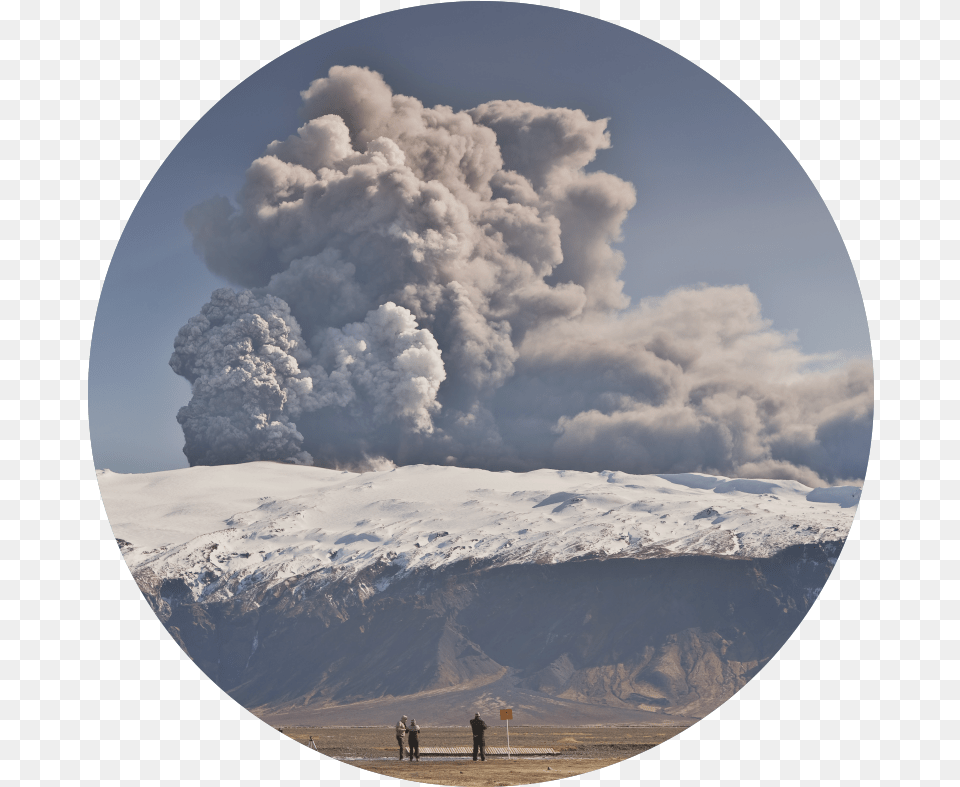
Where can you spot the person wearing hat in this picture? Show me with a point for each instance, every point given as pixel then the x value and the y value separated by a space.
pixel 479 745
pixel 413 739
pixel 401 729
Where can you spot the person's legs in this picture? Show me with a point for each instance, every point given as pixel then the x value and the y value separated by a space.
pixel 400 744
pixel 476 748
pixel 483 748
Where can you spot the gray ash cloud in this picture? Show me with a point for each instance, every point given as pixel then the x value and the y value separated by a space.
pixel 425 285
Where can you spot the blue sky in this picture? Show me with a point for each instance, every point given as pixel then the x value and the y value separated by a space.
pixel 720 199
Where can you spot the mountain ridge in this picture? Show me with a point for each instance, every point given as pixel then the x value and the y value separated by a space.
pixel 577 597
pixel 318 524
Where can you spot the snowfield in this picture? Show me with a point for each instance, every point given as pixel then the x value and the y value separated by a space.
pixel 228 528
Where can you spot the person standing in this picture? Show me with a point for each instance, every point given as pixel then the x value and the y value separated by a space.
pixel 413 739
pixel 401 730
pixel 479 744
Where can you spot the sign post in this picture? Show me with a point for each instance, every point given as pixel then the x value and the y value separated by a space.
pixel 505 715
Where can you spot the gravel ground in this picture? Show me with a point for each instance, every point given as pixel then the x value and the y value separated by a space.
pixel 582 749
pixel 360 745
pixel 498 772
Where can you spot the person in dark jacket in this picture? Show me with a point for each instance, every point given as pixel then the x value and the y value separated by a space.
pixel 479 744
pixel 413 739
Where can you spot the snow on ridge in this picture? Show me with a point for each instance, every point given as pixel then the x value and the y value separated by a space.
pixel 224 528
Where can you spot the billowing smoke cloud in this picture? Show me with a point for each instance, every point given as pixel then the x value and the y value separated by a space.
pixel 434 286
pixel 242 354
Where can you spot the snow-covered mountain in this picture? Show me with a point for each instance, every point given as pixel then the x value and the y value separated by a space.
pixel 222 528
pixel 584 594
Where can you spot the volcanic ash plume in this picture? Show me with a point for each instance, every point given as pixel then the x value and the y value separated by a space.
pixel 433 286
pixel 242 356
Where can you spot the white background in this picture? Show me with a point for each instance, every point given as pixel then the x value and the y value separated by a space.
pixel 95 95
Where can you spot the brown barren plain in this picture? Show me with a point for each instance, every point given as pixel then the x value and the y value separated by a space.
pixel 582 749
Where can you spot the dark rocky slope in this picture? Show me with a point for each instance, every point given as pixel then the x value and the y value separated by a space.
pixel 591 641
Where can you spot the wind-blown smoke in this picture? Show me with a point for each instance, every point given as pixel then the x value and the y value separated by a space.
pixel 436 286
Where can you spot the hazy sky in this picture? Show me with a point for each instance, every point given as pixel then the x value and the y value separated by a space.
pixel 719 201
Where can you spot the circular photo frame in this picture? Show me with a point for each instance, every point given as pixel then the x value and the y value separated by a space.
pixel 519 401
